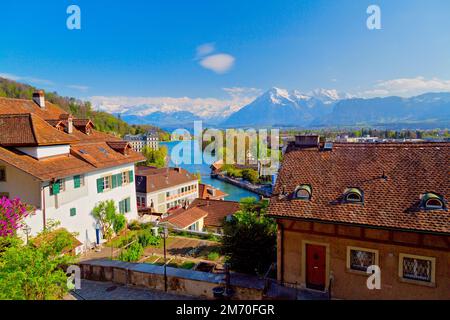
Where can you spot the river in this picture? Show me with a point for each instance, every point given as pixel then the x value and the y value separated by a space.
pixel 234 193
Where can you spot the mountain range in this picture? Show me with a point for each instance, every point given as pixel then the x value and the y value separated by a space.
pixel 318 109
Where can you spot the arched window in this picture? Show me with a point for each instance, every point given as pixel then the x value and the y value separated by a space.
pixel 354 195
pixel 303 192
pixel 432 201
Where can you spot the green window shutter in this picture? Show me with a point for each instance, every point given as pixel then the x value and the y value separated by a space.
pixel 73 212
pixel 76 181
pixel 127 205
pixel 55 188
pixel 99 185
pixel 121 207
pixel 131 173
pixel 119 179
pixel 114 181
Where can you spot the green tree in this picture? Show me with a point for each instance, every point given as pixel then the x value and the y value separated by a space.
pixel 105 213
pixel 250 175
pixel 34 271
pixel 249 241
pixel 155 158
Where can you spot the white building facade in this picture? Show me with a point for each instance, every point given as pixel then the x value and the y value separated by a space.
pixel 139 141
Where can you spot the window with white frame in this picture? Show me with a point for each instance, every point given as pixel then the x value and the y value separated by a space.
pixel 359 259
pixel 417 268
pixel 107 182
pixel 125 177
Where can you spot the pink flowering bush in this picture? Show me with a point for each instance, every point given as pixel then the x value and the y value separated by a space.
pixel 12 212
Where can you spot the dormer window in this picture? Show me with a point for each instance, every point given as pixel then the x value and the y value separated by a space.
pixel 432 201
pixel 354 195
pixel 303 192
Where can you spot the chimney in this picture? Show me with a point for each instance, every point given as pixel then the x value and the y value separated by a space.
pixel 39 98
pixel 307 141
pixel 69 128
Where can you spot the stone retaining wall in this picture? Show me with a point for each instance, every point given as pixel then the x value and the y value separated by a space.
pixel 181 281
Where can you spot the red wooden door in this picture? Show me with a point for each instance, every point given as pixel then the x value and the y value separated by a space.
pixel 315 266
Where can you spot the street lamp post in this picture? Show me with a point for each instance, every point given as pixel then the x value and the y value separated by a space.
pixel 165 235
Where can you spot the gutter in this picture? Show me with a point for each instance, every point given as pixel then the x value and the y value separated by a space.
pixel 358 225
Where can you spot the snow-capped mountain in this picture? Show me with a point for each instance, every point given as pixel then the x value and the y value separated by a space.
pixel 279 107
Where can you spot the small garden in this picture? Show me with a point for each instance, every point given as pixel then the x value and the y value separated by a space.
pixel 184 250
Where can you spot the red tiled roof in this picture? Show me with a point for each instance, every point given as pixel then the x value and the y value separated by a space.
pixel 205 192
pixel 184 218
pixel 15 106
pixel 411 169
pixel 22 124
pixel 30 130
pixel 217 210
pixel 161 178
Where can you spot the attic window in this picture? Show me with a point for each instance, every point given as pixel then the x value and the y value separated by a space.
pixel 354 195
pixel 432 201
pixel 303 192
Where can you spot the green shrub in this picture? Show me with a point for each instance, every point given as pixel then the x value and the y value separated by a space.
pixel 119 223
pixel 187 265
pixel 133 253
pixel 250 175
pixel 147 239
pixel 213 256
pixel 134 225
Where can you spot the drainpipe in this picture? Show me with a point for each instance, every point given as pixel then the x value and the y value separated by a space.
pixel 44 219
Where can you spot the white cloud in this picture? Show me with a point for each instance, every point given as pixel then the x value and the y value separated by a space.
pixel 205 49
pixel 407 87
pixel 204 107
pixel 27 79
pixel 219 63
pixel 78 87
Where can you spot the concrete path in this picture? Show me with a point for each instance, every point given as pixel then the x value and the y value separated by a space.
pixel 95 290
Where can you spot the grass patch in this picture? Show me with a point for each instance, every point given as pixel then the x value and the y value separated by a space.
pixel 213 256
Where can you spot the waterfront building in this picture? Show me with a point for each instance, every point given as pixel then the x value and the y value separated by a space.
pixel 62 166
pixel 202 215
pixel 345 208
pixel 164 189
pixel 139 141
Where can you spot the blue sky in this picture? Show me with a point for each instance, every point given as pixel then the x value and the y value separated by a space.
pixel 149 48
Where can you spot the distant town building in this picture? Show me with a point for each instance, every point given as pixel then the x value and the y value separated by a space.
pixel 365 139
pixel 348 209
pixel 164 189
pixel 62 166
pixel 139 141
pixel 202 215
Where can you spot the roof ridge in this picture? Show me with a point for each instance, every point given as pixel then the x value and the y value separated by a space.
pixel 33 129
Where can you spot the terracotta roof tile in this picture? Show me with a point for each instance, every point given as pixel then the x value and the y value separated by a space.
pixel 22 124
pixel 153 179
pixel 30 130
pixel 184 218
pixel 205 191
pixel 411 169
pixel 217 210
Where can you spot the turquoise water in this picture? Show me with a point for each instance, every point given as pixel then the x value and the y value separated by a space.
pixel 234 193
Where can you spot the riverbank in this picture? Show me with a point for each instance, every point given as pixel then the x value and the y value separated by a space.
pixel 234 192
pixel 262 190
